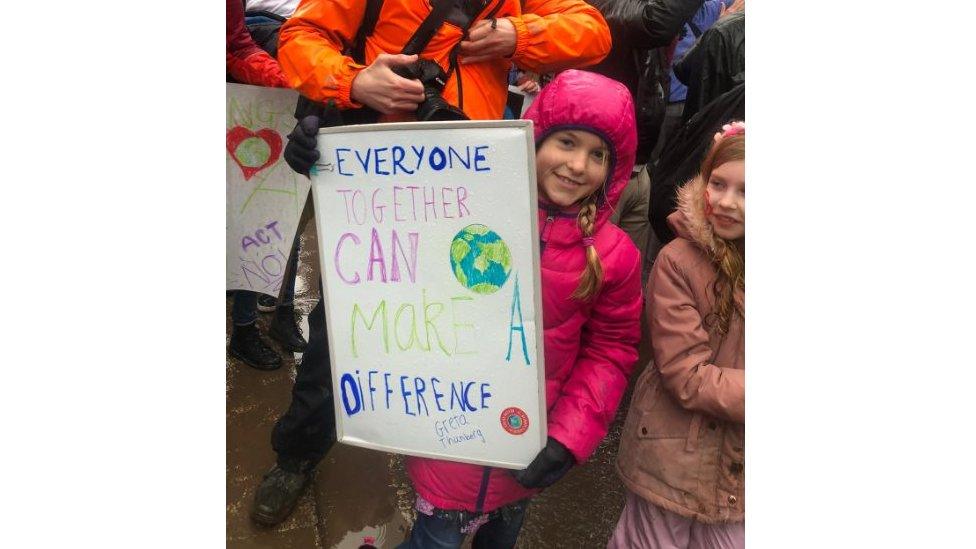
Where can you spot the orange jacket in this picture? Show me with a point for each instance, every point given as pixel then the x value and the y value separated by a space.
pixel 551 35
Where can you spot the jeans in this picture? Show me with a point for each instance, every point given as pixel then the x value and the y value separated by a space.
pixel 305 433
pixel 439 532
pixel 260 20
pixel 245 309
pixel 264 28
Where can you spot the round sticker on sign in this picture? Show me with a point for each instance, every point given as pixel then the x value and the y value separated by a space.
pixel 515 421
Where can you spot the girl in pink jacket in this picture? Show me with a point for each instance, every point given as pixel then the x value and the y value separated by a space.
pixel 591 295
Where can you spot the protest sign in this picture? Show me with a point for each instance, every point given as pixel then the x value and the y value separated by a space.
pixel 428 241
pixel 264 196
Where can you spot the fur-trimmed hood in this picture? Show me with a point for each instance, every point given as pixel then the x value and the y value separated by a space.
pixel 689 220
pixel 682 447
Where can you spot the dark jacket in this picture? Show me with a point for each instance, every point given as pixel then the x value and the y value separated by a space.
pixel 683 153
pixel 715 64
pixel 643 33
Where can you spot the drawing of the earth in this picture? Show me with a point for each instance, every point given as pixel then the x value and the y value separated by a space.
pixel 253 152
pixel 480 259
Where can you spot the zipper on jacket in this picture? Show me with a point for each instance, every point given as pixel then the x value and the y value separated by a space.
pixel 546 231
pixel 483 491
pixel 494 10
pixel 452 57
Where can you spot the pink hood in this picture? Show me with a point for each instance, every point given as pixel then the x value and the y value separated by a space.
pixel 589 101
pixel 590 347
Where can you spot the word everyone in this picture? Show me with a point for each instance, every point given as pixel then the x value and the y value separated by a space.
pixel 397 160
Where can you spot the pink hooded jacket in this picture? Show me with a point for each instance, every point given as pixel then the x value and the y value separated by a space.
pixel 590 347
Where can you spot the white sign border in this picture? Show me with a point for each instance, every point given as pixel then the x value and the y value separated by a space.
pixel 536 278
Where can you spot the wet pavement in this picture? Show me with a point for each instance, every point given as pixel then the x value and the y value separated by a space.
pixel 363 496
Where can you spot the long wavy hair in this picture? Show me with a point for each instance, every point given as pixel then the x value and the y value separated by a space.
pixel 728 256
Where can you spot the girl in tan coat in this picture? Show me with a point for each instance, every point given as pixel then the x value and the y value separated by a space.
pixel 682 450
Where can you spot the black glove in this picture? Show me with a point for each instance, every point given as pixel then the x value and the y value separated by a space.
pixel 301 152
pixel 550 465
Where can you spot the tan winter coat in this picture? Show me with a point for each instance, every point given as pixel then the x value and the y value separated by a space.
pixel 683 444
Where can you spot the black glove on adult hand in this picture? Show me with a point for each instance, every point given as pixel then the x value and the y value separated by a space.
pixel 550 465
pixel 301 152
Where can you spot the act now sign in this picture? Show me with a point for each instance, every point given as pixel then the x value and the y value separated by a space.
pixel 265 197
pixel 428 240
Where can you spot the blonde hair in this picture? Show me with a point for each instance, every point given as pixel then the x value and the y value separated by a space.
pixel 591 279
pixel 727 256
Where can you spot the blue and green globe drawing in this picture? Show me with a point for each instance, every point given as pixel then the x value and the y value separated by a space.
pixel 480 259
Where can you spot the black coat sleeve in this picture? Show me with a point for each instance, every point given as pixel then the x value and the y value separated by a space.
pixel 663 19
pixel 646 24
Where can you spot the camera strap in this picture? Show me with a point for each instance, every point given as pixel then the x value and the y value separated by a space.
pixel 421 37
pixel 452 57
pixel 442 10
pixel 358 49
pixel 328 114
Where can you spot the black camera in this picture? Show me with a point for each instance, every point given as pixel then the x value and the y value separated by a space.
pixel 433 78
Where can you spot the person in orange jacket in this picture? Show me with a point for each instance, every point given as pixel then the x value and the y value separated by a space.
pixel 536 35
pixel 543 36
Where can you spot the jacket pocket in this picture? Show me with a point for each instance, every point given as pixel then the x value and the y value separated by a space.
pixel 653 453
pixel 660 415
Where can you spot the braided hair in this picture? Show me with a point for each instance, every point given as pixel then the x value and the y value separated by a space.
pixel 591 280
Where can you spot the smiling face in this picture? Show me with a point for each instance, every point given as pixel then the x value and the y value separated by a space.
pixel 570 166
pixel 725 196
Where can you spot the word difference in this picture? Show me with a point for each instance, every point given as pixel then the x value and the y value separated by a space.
pixel 397 160
pixel 365 392
pixel 449 431
pixel 406 203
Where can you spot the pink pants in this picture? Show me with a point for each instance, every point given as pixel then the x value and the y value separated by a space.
pixel 643 525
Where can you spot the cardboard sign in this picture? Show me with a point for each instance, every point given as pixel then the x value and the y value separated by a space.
pixel 264 196
pixel 428 236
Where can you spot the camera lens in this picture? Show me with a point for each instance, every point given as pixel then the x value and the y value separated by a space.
pixel 434 107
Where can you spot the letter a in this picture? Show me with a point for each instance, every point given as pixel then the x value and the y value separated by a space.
pixel 517 305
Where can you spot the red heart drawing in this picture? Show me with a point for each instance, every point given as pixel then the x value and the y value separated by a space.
pixel 250 155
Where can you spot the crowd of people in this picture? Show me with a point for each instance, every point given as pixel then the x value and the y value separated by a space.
pixel 640 165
